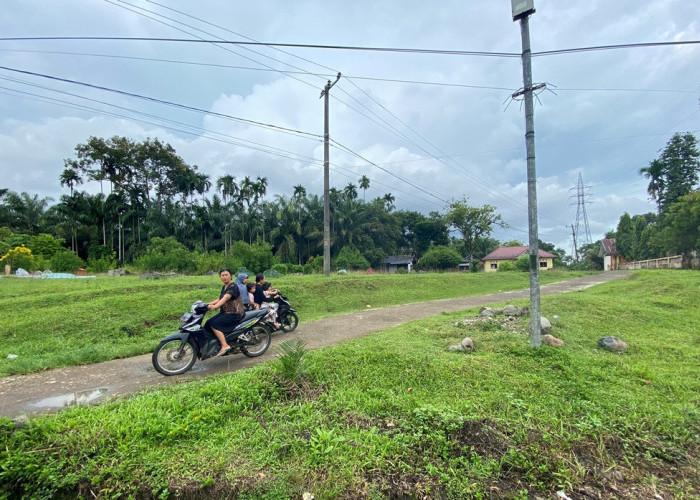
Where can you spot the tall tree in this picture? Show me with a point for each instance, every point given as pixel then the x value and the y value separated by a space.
pixel 472 222
pixel 675 173
pixel 364 185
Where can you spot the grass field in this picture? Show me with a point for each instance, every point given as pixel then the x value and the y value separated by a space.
pixel 55 323
pixel 395 415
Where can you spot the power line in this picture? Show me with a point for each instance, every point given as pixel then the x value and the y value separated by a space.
pixel 360 48
pixel 168 103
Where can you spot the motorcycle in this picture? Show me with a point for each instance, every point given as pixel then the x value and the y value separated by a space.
pixel 287 315
pixel 178 352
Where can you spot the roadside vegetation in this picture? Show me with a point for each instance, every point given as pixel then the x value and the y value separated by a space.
pixel 395 415
pixel 54 323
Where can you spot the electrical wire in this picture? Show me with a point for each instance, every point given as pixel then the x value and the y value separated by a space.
pixel 299 133
pixel 361 48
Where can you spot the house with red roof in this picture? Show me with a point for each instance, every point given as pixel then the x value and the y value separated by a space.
pixel 502 254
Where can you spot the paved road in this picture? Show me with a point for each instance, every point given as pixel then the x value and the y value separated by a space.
pixel 36 393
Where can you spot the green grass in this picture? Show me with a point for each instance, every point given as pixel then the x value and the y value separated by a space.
pixel 56 323
pixel 396 415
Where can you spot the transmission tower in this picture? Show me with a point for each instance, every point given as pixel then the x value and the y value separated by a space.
pixel 581 231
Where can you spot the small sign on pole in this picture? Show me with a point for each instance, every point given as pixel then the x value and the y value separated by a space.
pixel 522 8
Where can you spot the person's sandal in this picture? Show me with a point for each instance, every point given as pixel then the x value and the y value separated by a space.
pixel 223 351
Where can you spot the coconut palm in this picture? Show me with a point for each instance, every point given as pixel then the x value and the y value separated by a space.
pixel 364 185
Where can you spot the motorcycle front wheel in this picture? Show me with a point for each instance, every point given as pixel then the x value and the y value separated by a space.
pixel 257 341
pixel 289 321
pixel 174 357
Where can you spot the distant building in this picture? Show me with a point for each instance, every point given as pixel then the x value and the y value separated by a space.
pixel 611 259
pixel 501 254
pixel 395 262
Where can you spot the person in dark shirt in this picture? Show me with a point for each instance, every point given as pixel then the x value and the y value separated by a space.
pixel 231 311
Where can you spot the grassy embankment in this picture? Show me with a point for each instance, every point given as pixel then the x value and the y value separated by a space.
pixel 395 414
pixel 54 323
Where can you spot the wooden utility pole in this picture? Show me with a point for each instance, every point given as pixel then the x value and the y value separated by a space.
pixel 326 183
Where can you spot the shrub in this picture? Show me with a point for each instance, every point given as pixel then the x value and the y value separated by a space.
pixel 506 266
pixel 350 257
pixel 101 265
pixel 314 265
pixel 280 268
pixel 45 245
pixel 440 257
pixel 296 268
pixel 255 257
pixel 18 257
pixel 65 261
pixel 402 270
pixel 523 263
pixel 166 254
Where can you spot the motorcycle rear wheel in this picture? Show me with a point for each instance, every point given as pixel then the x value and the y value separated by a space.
pixel 174 357
pixel 289 321
pixel 259 340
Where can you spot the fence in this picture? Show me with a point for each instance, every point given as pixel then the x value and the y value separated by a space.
pixel 675 262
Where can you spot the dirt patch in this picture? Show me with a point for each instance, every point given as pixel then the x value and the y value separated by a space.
pixel 481 437
pixel 397 486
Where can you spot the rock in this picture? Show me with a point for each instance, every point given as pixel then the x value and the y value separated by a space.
pixel 21 272
pixel 488 313
pixel 117 272
pixel 545 325
pixel 552 341
pixel 308 496
pixel 454 348
pixel 613 344
pixel 510 310
pixel 147 276
pixel 12 356
pixel 467 344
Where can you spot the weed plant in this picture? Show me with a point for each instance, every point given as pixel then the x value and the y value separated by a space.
pixel 398 416
pixel 56 323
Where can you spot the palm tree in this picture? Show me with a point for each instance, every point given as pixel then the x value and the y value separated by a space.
pixel 70 176
pixel 350 191
pixel 389 201
pixel 228 187
pixel 364 185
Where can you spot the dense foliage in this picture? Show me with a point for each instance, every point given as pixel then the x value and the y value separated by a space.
pixel 155 211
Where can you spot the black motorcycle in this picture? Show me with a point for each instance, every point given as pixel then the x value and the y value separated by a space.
pixel 287 315
pixel 178 352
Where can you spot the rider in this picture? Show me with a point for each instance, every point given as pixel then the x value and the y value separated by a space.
pixel 231 310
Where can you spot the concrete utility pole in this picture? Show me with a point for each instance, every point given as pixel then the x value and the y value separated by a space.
pixel 326 183
pixel 522 9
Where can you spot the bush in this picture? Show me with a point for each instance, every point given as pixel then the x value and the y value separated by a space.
pixel 506 266
pixel 18 257
pixel 350 257
pixel 280 268
pixel 101 265
pixel 65 261
pixel 402 270
pixel 256 257
pixel 45 245
pixel 166 254
pixel 314 265
pixel 440 257
pixel 296 268
pixel 523 263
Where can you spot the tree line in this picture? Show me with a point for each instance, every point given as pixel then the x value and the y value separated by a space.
pixel 148 193
pixel 675 227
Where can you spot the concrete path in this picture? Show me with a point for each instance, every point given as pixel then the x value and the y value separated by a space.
pixel 36 393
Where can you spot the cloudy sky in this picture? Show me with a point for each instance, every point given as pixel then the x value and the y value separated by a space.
pixel 426 127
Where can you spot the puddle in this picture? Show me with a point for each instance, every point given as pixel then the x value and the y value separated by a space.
pixel 72 399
